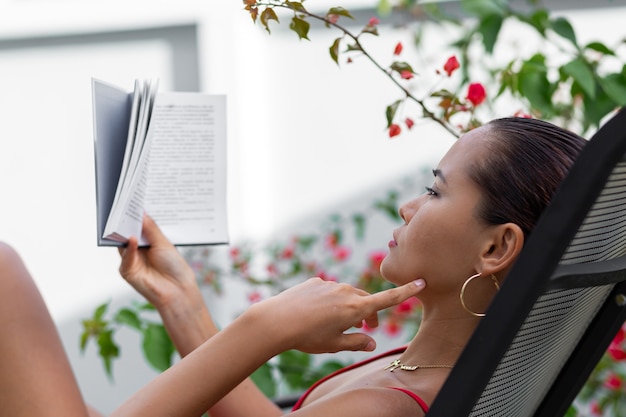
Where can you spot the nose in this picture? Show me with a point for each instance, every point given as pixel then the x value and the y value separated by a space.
pixel 408 209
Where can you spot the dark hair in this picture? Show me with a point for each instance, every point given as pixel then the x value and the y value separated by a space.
pixel 528 159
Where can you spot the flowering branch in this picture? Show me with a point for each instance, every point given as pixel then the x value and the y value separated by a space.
pixel 397 71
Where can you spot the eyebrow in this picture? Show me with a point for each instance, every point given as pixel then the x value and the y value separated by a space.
pixel 437 173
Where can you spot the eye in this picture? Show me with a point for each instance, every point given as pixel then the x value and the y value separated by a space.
pixel 431 191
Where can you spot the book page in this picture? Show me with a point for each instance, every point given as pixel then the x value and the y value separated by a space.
pixel 127 212
pixel 186 190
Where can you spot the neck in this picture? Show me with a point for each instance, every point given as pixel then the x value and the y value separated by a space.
pixel 440 340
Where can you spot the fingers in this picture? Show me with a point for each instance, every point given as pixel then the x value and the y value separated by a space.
pixel 129 255
pixel 356 342
pixel 394 296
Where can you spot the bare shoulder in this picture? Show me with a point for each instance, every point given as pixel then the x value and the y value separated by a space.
pixel 7 253
pixel 363 402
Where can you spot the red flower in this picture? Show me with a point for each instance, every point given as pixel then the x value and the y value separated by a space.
pixel 476 93
pixel 373 21
pixel 398 49
pixel 234 252
pixel 394 130
pixel 376 258
pixel 451 65
pixel 392 328
pixel 409 122
pixel 406 306
pixel 287 253
pixel 406 75
pixel 613 382
pixel 332 240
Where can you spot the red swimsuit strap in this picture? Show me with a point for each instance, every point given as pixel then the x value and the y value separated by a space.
pixel 342 370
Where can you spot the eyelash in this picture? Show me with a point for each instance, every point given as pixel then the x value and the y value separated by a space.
pixel 431 191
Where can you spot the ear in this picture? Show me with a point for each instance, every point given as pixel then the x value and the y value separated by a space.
pixel 502 248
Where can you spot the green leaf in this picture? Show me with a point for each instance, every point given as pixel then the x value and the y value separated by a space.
pixel 489 28
pixel 157 347
pixel 84 338
pixel 389 206
pixel 484 8
pixel 263 379
pixel 599 47
pixel 540 20
pixel 295 366
pixel 100 310
pixel 391 110
pixel 108 350
pixel 296 6
pixel 581 72
pixel 359 221
pixel 614 85
pixel 597 108
pixel 339 11
pixel 563 27
pixel 334 50
pixel 267 15
pixel 400 66
pixel 301 27
pixel 128 317
pixel 533 84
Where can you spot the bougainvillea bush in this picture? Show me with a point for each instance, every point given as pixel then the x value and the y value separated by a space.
pixel 482 74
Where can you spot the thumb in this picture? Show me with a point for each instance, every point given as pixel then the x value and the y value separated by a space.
pixel 152 232
pixel 395 296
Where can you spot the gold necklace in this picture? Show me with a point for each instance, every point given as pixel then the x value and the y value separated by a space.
pixel 399 365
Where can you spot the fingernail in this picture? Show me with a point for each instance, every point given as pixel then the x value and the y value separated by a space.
pixel 371 345
pixel 420 283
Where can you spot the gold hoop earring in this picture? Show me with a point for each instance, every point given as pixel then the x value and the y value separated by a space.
pixel 467 281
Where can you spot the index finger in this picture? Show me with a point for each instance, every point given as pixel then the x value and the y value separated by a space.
pixel 395 296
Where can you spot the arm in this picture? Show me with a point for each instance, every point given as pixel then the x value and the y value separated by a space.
pixel 165 279
pixel 311 317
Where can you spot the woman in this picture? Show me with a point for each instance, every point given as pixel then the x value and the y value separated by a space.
pixel 462 237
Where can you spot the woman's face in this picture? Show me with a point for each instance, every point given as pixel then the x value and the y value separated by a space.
pixel 440 240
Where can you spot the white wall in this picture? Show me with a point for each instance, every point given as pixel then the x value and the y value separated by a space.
pixel 303 134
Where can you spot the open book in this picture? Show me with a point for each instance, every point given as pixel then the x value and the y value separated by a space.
pixel 160 153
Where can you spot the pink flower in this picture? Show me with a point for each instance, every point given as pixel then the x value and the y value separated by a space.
pixel 406 75
pixel 234 252
pixel 254 297
pixel 271 269
pixel 476 93
pixel 394 130
pixel 398 49
pixel 596 409
pixel 341 253
pixel 451 65
pixel 373 21
pixel 409 122
pixel 520 113
pixel 332 18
